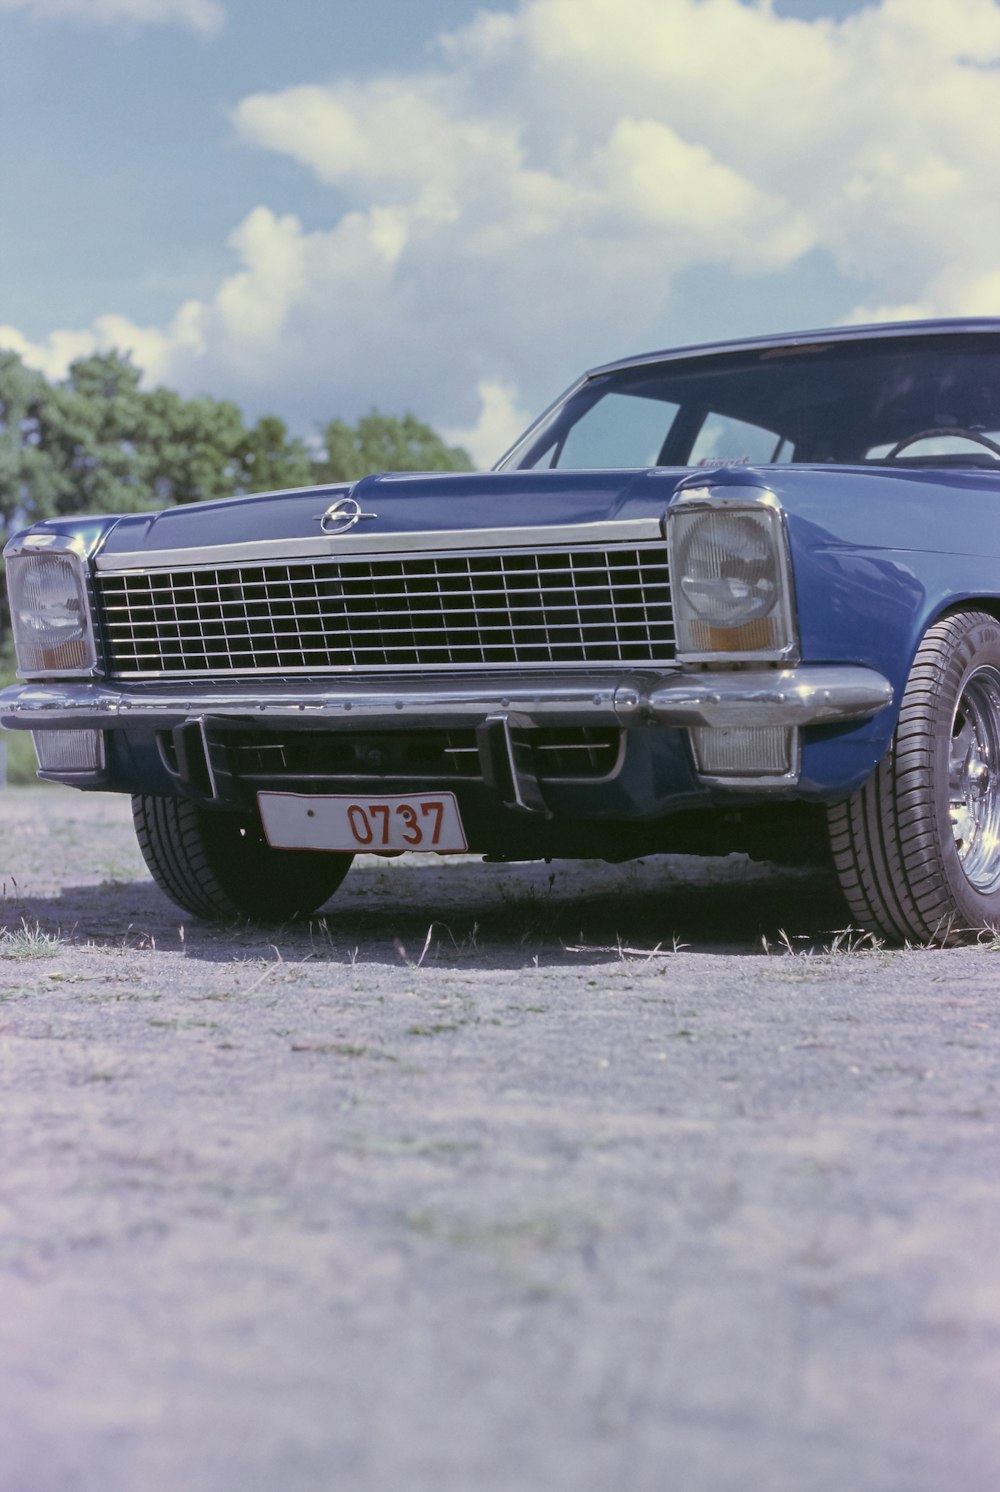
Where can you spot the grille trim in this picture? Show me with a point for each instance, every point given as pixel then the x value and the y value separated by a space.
pixel 480 610
pixel 568 754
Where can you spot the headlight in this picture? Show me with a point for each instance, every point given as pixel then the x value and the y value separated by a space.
pixel 730 576
pixel 49 613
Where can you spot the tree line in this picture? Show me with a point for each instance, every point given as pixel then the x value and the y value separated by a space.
pixel 96 442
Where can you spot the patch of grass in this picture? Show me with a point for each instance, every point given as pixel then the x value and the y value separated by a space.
pixel 29 941
pixel 341 1049
pixel 849 940
pixel 331 1048
pixel 21 993
pixel 506 1237
pixel 466 945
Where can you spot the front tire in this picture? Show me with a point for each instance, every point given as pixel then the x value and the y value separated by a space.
pixel 220 867
pixel 917 849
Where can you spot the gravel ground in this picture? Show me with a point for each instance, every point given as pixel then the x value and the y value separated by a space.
pixel 495 1178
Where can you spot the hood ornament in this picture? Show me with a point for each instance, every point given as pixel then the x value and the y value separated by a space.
pixel 342 515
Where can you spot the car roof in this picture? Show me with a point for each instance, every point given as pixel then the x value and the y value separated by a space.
pixel 979 325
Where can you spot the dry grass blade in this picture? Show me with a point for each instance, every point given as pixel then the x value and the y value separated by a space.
pixel 624 951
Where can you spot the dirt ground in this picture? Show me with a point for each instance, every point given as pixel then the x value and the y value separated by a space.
pixel 493 1178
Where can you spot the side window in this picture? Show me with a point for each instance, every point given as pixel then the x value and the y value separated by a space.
pixel 619 430
pixel 722 441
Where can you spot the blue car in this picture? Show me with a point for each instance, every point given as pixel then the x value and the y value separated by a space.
pixel 736 597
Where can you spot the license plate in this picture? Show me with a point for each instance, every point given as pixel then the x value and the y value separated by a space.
pixel 410 821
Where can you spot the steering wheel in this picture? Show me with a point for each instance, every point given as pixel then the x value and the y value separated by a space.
pixel 956 430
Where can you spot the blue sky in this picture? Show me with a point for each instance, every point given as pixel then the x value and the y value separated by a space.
pixel 454 207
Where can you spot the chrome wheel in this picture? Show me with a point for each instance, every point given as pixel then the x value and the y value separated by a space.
pixel 973 782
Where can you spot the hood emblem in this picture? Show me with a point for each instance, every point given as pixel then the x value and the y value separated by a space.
pixel 342 515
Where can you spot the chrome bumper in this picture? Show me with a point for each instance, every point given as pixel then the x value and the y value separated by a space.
pixel 807 695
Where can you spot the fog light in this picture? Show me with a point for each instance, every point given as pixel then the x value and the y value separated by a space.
pixel 745 750
pixel 69 750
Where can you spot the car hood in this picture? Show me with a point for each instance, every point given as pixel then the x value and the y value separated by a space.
pixel 868 508
pixel 397 503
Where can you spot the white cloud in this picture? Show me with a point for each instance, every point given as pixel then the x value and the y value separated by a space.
pixel 201 15
pixel 53 356
pixel 530 203
pixel 500 422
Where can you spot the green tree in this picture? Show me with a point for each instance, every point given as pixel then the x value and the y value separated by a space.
pixel 385 442
pixel 98 442
pixel 89 432
pixel 190 446
pixel 27 483
pixel 268 459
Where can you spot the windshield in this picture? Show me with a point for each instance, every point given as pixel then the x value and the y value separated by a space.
pixel 914 400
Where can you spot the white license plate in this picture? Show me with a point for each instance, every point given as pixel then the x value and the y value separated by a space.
pixel 409 821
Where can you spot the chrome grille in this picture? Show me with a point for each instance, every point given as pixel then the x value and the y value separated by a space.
pixel 520 609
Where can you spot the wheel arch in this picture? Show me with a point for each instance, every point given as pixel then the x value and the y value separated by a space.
pixel 973 602
pixel 839 760
pixel 943 608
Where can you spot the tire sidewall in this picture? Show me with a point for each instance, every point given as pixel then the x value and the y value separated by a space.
pixel 978 648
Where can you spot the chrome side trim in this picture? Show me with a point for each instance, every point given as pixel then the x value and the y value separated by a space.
pixel 806 695
pixel 474 540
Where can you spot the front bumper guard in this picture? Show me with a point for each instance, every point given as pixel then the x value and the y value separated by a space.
pixel 809 694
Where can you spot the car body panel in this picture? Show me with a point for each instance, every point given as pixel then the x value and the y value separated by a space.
pixel 876 554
